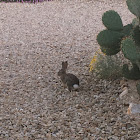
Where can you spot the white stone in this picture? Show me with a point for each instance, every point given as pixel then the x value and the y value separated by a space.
pixel 134 108
pixel 124 93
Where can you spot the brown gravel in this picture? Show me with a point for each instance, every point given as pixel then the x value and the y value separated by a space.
pixel 34 39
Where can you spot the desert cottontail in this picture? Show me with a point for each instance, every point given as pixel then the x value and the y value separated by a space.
pixel 69 80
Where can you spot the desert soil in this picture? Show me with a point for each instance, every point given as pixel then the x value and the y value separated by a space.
pixel 34 40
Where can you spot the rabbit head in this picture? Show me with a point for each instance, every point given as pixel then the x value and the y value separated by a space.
pixel 64 68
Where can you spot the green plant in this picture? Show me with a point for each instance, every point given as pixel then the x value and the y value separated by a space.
pixel 106 67
pixel 131 73
pixel 126 38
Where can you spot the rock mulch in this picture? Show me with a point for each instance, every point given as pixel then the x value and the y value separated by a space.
pixel 33 104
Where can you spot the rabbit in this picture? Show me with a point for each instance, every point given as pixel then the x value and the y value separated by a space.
pixel 69 80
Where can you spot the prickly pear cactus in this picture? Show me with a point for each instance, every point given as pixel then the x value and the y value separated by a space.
pixel 126 38
pixel 130 50
pixel 127 30
pixel 109 41
pixel 131 73
pixel 134 7
pixel 136 35
pixel 135 22
pixel 112 21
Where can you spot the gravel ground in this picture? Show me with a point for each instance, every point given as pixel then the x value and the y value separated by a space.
pixel 34 39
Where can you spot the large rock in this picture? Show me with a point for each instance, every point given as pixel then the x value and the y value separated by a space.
pixel 134 112
pixel 134 109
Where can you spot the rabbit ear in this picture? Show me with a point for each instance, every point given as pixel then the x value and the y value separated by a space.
pixel 64 65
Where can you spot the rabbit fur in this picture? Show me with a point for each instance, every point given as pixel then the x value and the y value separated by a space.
pixel 69 80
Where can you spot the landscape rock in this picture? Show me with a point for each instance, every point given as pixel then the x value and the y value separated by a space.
pixel 134 108
pixel 123 95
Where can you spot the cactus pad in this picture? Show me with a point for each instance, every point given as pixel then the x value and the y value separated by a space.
pixel 130 50
pixel 132 74
pixel 110 39
pixel 127 30
pixel 135 22
pixel 134 7
pixel 136 35
pixel 109 51
pixel 112 20
pixel 125 38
